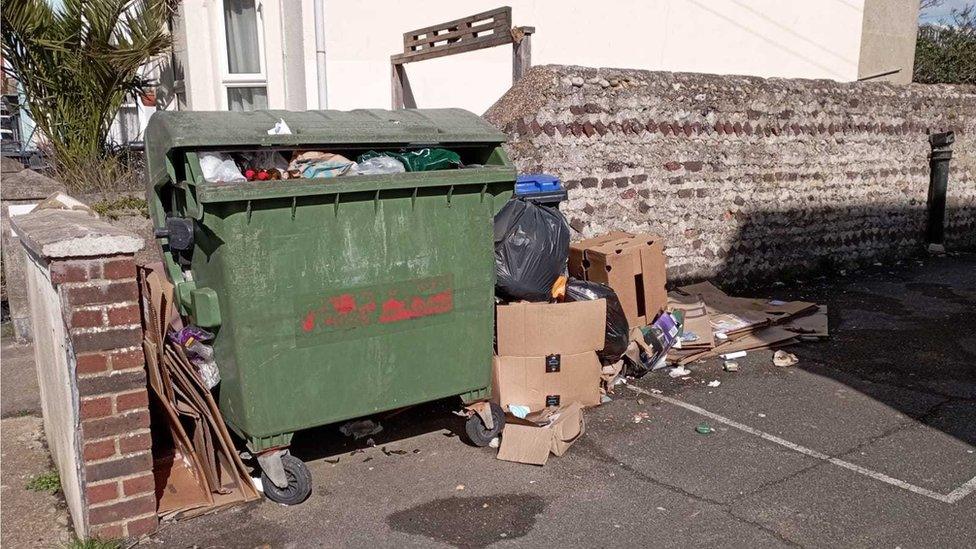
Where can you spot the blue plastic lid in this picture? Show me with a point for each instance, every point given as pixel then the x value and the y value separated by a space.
pixel 535 183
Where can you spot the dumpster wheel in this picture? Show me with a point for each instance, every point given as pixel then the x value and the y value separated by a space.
pixel 299 482
pixel 478 434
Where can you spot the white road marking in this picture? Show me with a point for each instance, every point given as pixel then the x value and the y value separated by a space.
pixel 967 488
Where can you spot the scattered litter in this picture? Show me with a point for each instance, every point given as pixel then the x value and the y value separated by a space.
pixel 495 443
pixel 393 452
pixel 459 487
pixel 688 337
pixel 605 399
pixel 360 428
pixel 518 410
pixel 370 442
pixel 661 509
pixel 484 505
pixel 730 366
pixel 332 461
pixel 369 458
pixel 640 416
pixel 704 429
pixel 679 371
pixel 714 383
pixel 784 359
pixel 721 335
pixel 761 415
pixel 258 485
pixel 730 356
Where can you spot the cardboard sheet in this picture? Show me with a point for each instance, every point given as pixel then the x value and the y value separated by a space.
pixel 541 382
pixel 539 329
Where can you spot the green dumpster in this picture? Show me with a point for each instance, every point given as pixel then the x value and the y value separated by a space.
pixel 332 299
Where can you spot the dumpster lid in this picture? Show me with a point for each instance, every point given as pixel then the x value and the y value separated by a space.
pixel 169 130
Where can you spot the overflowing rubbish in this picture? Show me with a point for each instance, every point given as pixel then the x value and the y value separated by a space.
pixel 531 250
pixel 274 165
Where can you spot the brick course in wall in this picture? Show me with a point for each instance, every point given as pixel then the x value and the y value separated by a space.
pixel 745 176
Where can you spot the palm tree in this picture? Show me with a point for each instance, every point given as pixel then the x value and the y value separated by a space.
pixel 77 63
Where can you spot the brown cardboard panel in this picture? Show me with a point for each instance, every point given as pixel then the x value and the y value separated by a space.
pixel 552 430
pixel 526 381
pixel 539 329
pixel 633 265
pixel 810 325
pixel 696 320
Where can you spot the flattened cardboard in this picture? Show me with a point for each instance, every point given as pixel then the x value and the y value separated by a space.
pixel 549 431
pixel 633 265
pixel 531 381
pixel 540 329
pixel 814 325
pixel 696 321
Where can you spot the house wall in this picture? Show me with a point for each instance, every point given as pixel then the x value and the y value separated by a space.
pixel 745 177
pixel 888 39
pixel 768 38
pixel 811 39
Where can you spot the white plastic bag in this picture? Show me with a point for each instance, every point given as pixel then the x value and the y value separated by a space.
pixel 220 167
pixel 379 165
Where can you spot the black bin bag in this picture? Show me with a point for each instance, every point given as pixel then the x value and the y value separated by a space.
pixel 531 250
pixel 618 330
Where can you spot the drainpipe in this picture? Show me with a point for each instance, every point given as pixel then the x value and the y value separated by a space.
pixel 938 182
pixel 320 53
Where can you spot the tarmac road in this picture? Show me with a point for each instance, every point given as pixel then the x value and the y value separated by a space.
pixel 869 442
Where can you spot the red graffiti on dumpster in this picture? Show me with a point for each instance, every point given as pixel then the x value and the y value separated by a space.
pixel 403 302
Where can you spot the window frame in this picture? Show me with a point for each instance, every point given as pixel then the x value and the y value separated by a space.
pixel 241 80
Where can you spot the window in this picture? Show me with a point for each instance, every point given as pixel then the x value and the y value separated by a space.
pixel 247 98
pixel 244 77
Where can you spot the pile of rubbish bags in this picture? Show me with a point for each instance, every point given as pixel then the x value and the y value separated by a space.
pixel 308 164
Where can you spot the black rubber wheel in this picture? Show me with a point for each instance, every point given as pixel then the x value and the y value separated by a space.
pixel 478 434
pixel 299 483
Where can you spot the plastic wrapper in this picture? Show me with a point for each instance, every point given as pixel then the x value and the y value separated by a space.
pixel 318 164
pixel 531 250
pixel 423 160
pixel 379 165
pixel 220 167
pixel 617 330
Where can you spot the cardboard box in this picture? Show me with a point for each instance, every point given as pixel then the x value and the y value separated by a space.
pixel 540 329
pixel 633 265
pixel 532 439
pixel 544 381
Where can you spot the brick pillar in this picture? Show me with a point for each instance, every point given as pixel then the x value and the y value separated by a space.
pixel 84 286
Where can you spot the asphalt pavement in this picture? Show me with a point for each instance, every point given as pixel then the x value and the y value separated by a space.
pixel 868 442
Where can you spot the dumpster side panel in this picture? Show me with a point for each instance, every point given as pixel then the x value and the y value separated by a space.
pixel 340 306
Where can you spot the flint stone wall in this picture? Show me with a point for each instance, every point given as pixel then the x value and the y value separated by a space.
pixel 745 177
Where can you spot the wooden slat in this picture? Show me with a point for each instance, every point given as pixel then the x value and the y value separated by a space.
pixel 429 40
pixel 451 49
pixel 503 13
pixel 458 36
